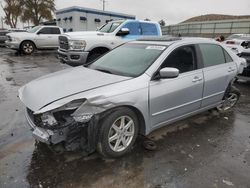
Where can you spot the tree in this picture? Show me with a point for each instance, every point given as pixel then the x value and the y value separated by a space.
pixel 162 23
pixel 36 10
pixel 12 10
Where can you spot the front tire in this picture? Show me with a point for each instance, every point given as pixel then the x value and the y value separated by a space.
pixel 27 47
pixel 118 133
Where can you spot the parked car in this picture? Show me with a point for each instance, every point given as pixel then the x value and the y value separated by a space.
pixel 241 47
pixel 235 36
pixel 39 37
pixel 3 37
pixel 134 89
pixel 78 48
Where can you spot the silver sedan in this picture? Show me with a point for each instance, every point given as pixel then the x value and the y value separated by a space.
pixel 134 89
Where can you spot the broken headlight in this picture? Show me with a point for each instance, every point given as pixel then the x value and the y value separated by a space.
pixel 48 119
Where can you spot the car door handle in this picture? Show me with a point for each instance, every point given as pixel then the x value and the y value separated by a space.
pixel 49 36
pixel 196 79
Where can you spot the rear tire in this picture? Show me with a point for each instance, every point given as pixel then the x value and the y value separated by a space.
pixel 27 47
pixel 118 133
pixel 231 98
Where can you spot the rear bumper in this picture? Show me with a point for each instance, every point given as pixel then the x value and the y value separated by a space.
pixel 73 58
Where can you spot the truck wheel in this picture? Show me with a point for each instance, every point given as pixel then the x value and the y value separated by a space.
pixel 27 47
pixel 118 133
pixel 230 99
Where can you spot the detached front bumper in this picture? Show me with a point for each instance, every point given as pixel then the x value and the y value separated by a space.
pixel 74 136
pixel 73 58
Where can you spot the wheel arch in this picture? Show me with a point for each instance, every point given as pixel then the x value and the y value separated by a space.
pixel 103 49
pixel 138 113
pixel 27 41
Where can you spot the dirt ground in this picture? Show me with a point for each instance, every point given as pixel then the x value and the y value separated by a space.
pixel 208 150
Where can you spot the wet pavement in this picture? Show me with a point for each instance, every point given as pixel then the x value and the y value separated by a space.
pixel 208 150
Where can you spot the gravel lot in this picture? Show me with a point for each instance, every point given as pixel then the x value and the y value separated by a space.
pixel 208 150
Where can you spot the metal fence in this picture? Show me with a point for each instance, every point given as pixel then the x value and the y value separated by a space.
pixel 208 28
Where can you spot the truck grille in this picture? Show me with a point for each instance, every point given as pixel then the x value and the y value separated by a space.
pixel 63 42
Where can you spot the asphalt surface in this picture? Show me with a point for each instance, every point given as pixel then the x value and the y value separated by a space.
pixel 208 150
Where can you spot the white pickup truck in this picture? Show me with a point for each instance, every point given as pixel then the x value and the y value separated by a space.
pixel 39 37
pixel 78 48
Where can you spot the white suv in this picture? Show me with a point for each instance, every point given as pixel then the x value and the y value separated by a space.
pixel 39 37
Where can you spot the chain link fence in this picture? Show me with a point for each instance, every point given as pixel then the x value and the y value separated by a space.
pixel 208 28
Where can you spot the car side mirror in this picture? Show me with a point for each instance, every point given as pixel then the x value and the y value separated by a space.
pixel 123 32
pixel 38 33
pixel 168 72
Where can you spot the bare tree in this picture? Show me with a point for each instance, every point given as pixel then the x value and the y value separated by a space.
pixel 36 10
pixel 12 10
pixel 162 23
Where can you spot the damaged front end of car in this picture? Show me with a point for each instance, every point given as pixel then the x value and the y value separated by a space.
pixel 73 125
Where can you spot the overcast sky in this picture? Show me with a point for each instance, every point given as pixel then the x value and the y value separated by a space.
pixel 172 11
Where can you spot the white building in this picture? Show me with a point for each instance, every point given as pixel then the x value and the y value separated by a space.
pixel 85 19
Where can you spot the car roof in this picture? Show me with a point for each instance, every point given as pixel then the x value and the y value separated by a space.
pixel 168 40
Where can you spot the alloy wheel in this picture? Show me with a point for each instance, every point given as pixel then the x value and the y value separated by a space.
pixel 121 133
pixel 229 102
pixel 28 48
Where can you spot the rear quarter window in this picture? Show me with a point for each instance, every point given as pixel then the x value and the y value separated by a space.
pixel 149 29
pixel 227 57
pixel 212 54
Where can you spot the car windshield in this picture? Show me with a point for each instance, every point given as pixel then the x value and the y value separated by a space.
pixel 110 27
pixel 34 29
pixel 129 59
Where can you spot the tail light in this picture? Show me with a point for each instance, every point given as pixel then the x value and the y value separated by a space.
pixel 230 42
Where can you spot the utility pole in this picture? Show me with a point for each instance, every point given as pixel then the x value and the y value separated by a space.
pixel 103 4
pixel 2 21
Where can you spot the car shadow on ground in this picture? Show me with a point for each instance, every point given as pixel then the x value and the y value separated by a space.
pixel 181 148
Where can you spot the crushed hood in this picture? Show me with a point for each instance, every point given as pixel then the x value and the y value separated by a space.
pixel 58 85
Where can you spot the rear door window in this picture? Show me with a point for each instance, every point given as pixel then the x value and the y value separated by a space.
pixel 149 29
pixel 212 54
